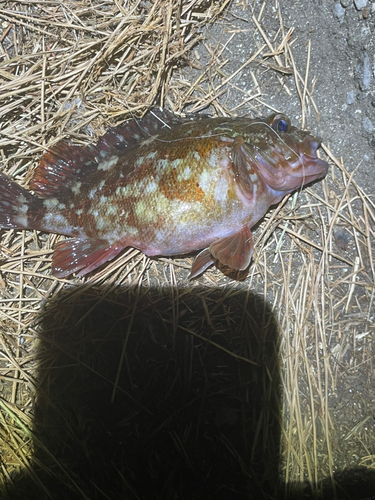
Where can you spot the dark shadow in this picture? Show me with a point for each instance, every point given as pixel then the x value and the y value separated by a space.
pixel 186 419
pixel 349 484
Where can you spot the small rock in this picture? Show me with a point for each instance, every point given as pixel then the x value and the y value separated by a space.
pixel 350 97
pixel 372 142
pixel 346 3
pixel 367 124
pixel 365 13
pixel 364 72
pixel 360 4
pixel 341 239
pixel 339 12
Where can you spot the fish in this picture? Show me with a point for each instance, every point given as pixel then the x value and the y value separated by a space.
pixel 166 185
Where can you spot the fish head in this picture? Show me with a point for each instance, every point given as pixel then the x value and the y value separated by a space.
pixel 285 156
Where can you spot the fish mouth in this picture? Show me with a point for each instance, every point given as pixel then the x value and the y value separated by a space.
pixel 310 146
pixel 287 171
pixel 312 167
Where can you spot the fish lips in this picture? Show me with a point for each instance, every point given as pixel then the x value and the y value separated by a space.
pixel 312 167
pixel 287 174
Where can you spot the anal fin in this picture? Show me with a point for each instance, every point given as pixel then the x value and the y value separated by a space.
pixel 83 255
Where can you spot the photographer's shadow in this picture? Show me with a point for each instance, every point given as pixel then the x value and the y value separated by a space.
pixel 156 394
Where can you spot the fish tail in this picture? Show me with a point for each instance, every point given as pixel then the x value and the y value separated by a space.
pixel 18 207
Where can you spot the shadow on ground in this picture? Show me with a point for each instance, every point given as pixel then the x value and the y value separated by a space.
pixel 133 404
pixel 182 419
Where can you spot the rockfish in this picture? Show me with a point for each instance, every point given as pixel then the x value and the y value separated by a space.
pixel 165 185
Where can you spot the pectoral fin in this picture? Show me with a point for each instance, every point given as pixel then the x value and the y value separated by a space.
pixel 234 251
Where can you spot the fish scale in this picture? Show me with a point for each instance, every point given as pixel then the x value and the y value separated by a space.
pixel 166 185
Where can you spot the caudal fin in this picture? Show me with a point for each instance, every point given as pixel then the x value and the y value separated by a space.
pixel 17 206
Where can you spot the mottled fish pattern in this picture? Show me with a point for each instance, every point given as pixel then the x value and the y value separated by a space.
pixel 165 185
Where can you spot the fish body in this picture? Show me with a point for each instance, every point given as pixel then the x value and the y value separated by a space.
pixel 165 185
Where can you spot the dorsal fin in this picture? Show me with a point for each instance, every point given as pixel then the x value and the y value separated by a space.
pixel 60 167
pixel 66 164
pixel 128 135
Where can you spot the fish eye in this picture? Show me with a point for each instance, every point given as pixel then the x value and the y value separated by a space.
pixel 280 123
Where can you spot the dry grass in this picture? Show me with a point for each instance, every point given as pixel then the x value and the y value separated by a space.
pixel 185 375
